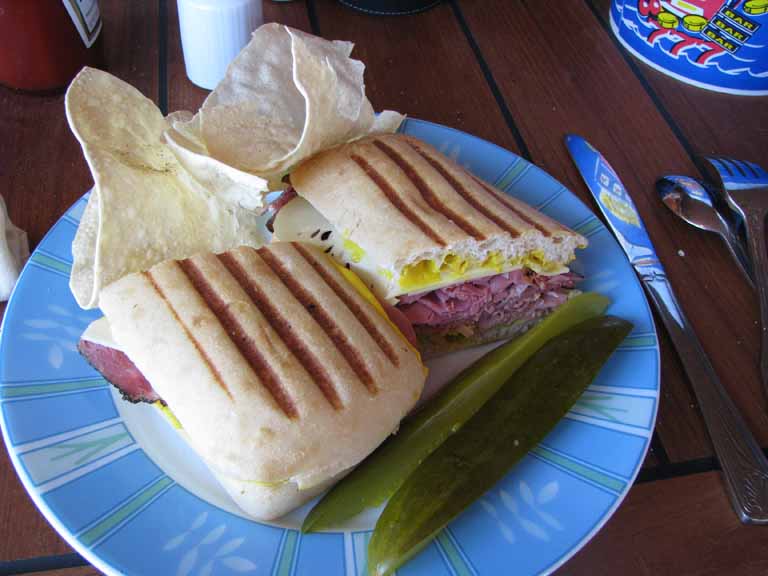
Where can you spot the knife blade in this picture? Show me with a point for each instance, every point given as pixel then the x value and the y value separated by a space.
pixel 744 466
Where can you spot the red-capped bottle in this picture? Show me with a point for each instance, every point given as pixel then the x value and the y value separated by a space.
pixel 44 43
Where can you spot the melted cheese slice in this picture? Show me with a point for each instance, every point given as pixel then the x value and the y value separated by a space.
pixel 99 332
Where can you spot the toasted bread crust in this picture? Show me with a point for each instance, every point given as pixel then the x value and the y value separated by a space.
pixel 402 201
pixel 276 367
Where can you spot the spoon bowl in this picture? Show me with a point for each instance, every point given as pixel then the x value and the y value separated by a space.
pixel 690 200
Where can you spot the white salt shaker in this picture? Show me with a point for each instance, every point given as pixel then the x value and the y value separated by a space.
pixel 212 34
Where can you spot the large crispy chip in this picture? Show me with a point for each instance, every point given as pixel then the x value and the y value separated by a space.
pixel 285 97
pixel 219 178
pixel 145 206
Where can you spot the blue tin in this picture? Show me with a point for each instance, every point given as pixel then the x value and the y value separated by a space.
pixel 720 45
pixel 391 7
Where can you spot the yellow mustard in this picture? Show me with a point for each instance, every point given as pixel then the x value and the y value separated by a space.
pixel 362 289
pixel 537 262
pixel 454 265
pixel 165 411
pixel 428 273
pixel 419 274
pixel 494 261
pixel 355 252
pixel 385 273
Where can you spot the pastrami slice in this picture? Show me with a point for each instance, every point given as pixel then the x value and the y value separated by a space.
pixel 119 371
pixel 484 303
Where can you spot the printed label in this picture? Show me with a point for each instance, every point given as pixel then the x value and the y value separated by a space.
pixel 86 18
pixel 731 30
pixel 741 20
pixel 615 200
pixel 617 205
pixel 720 40
pixel 720 44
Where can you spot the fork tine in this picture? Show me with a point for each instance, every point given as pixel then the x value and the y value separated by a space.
pixel 760 173
pixel 738 173
pixel 748 169
pixel 740 168
pixel 721 169
pixel 721 166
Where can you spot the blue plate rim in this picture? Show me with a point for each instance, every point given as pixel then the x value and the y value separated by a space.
pixel 96 560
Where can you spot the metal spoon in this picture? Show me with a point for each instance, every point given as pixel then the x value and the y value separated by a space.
pixel 691 201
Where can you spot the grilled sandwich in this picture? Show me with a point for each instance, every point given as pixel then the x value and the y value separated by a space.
pixel 282 369
pixel 465 262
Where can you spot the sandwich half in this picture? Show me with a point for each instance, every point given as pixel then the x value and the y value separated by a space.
pixel 281 368
pixel 465 262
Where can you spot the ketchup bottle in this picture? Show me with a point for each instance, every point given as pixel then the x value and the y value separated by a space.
pixel 44 43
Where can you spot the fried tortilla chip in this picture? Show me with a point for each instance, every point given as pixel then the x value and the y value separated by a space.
pixel 145 207
pixel 221 179
pixel 286 96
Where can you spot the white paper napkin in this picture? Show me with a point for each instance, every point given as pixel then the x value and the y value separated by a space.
pixel 14 251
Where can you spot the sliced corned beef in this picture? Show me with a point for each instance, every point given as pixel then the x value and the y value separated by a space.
pixel 487 302
pixel 118 369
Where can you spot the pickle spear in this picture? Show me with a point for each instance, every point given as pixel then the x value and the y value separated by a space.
pixel 382 473
pixel 471 461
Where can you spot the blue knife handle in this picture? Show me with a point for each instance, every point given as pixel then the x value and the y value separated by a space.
pixel 612 198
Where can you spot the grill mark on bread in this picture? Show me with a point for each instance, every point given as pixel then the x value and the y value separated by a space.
pixel 214 371
pixel 464 193
pixel 283 329
pixel 427 194
pixel 239 338
pixel 396 201
pixel 519 213
pixel 322 317
pixel 353 306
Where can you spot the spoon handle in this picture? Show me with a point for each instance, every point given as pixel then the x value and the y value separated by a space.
pixel 745 468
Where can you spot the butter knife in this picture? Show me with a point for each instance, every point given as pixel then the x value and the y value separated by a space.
pixel 744 466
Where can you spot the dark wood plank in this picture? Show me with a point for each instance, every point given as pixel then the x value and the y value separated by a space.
pixel 651 460
pixel 713 123
pixel 420 65
pixel 42 172
pixel 35 160
pixel 24 532
pixel 559 73
pixel 183 94
pixel 39 156
pixel 86 570
pixel 737 126
pixel 79 571
pixel 674 527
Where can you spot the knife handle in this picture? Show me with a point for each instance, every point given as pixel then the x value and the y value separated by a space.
pixel 744 466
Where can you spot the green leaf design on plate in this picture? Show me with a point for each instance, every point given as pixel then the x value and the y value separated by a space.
pixel 597 405
pixel 89 447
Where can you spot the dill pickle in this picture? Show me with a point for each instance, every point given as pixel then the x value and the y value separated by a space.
pixel 382 473
pixel 471 461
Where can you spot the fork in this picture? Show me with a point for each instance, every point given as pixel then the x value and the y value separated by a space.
pixel 744 186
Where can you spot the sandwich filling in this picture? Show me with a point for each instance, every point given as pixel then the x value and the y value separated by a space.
pixel 293 218
pixel 462 310
pixel 455 300
pixel 117 369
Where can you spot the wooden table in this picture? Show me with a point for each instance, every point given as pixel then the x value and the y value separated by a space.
pixel 520 74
